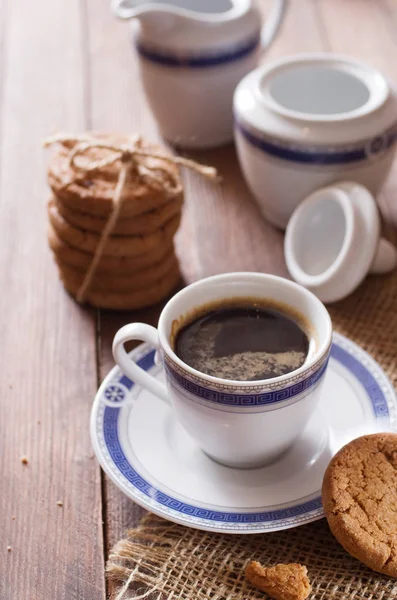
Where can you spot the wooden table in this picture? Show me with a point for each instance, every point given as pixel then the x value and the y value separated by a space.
pixel 69 65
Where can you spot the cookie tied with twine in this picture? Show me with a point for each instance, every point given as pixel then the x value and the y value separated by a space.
pixel 114 179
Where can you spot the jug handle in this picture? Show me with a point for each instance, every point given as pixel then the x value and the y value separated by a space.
pixel 273 23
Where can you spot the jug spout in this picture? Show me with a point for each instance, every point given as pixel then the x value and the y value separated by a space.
pixel 153 16
pixel 128 9
pixel 227 18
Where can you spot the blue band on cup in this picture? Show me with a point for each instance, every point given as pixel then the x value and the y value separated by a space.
pixel 265 398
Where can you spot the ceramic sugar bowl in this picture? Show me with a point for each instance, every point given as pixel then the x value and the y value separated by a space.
pixel 308 121
pixel 192 54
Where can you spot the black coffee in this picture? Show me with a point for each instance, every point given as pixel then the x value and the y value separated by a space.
pixel 244 343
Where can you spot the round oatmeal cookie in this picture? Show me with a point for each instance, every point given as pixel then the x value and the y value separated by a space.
pixel 147 222
pixel 116 245
pixel 360 500
pixel 132 299
pixel 114 265
pixel 92 193
pixel 125 282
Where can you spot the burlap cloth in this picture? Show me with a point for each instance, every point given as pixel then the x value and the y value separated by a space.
pixel 164 561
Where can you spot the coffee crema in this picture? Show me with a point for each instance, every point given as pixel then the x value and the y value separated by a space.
pixel 243 340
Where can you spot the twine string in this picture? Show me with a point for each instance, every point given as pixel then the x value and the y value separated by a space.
pixel 132 157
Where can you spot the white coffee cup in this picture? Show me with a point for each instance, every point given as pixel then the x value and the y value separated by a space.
pixel 237 423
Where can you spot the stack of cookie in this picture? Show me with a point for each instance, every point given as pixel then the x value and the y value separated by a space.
pixel 136 265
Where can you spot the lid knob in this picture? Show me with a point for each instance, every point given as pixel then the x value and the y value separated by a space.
pixel 385 258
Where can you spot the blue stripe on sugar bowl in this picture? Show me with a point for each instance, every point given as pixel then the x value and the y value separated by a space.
pixel 201 60
pixel 321 155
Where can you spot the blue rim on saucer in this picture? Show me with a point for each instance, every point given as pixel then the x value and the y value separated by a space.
pixel 117 391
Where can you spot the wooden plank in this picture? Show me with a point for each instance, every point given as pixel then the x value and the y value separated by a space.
pixel 222 229
pixel 47 349
pixel 3 14
pixel 229 233
pixel 117 104
pixel 366 31
pixel 358 29
pixel 301 32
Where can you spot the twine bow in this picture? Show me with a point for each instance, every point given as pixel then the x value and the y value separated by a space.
pixel 132 156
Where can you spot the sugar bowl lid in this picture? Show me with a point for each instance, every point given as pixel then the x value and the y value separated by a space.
pixel 333 241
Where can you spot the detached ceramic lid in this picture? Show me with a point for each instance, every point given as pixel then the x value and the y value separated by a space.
pixel 333 241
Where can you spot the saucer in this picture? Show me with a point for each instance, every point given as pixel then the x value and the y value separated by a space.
pixel 153 460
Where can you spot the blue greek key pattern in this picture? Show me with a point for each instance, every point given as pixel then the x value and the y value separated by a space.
pixel 247 400
pixel 113 445
pixel 365 377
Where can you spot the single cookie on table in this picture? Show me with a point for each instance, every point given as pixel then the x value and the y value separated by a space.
pixel 131 300
pixel 93 192
pixel 125 282
pixel 113 265
pixel 147 222
pixel 115 245
pixel 281 582
pixel 360 500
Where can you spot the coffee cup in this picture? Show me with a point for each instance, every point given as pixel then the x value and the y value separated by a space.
pixel 240 424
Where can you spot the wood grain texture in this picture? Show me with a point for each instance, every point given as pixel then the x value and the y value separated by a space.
pixel 365 30
pixel 117 103
pixel 47 349
pixel 71 66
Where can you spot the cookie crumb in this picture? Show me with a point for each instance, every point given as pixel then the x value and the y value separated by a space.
pixel 13 517
pixel 59 503
pixel 9 548
pixel 281 582
pixel 24 460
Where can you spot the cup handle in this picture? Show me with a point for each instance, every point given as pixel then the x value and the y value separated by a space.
pixel 272 23
pixel 146 333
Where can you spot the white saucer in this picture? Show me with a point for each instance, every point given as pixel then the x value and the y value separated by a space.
pixel 151 458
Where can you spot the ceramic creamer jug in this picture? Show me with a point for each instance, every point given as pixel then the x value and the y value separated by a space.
pixel 192 55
